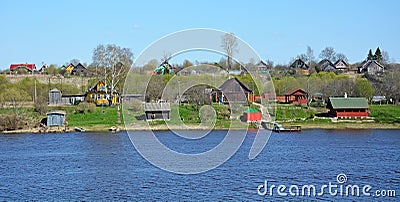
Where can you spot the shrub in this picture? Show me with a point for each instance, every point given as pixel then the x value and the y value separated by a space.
pixel 85 107
pixel 136 105
pixel 11 122
pixel 41 105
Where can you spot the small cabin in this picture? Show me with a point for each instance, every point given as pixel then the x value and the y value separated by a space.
pixel 56 118
pixel 157 111
pixel 296 96
pixel 345 107
pixel 252 115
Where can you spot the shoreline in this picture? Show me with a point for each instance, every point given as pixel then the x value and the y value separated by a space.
pixel 308 126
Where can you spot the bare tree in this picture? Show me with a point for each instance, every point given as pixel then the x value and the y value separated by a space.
pixel 385 57
pixel 328 53
pixel 115 61
pixel 310 54
pixel 341 56
pixel 229 44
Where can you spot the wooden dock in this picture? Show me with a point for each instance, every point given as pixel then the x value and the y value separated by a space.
pixel 276 127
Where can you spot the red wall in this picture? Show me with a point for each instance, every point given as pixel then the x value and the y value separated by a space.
pixel 254 116
pixel 352 114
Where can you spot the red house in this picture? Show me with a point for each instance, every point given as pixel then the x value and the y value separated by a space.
pixel 295 96
pixel 29 67
pixel 355 107
pixel 252 115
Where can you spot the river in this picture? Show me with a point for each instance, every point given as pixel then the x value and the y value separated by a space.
pixel 106 166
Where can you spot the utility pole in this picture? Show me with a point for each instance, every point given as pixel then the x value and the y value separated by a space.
pixel 35 94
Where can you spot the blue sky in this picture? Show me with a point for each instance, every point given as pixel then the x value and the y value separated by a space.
pixel 55 32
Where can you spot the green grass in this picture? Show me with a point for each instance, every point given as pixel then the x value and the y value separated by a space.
pixel 385 113
pixel 105 116
pixel 290 112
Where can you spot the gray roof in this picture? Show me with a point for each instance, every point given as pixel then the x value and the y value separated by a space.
pixel 57 112
pixel 151 107
pixel 326 65
pixel 55 90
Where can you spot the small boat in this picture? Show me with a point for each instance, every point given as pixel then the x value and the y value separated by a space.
pixel 276 127
pixel 114 129
pixel 78 129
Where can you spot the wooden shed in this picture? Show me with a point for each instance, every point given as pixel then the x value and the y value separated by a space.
pixel 157 111
pixel 55 97
pixel 355 107
pixel 252 115
pixel 232 91
pixel 56 118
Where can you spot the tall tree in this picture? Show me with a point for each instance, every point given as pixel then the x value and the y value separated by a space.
pixel 310 54
pixel 378 55
pixel 385 57
pixel 328 53
pixel 370 55
pixel 229 44
pixel 115 61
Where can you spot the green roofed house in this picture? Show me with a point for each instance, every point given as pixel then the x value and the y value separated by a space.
pixel 352 107
pixel 252 115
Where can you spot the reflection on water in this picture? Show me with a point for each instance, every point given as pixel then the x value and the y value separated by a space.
pixel 95 166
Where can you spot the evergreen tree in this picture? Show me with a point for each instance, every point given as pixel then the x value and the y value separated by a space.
pixel 370 56
pixel 378 55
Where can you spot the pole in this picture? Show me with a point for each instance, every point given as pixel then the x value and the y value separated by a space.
pixel 35 95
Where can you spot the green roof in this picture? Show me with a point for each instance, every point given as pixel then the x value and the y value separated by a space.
pixel 251 110
pixel 348 103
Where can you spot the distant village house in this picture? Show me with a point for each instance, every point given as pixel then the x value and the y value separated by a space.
pixel 371 67
pixel 16 67
pixel 300 66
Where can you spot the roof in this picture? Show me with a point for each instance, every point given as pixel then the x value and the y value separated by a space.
pixel 151 107
pixel 367 63
pixel 55 90
pixel 326 65
pixel 57 112
pixel 79 67
pixel 341 60
pixel 231 84
pixel 348 103
pixel 299 63
pixel 296 90
pixel 251 110
pixel 28 66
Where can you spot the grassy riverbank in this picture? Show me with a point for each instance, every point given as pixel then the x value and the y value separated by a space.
pixel 102 118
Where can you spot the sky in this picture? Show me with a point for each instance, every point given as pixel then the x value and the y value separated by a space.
pixel 55 32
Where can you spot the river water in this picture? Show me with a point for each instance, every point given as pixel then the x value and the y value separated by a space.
pixel 106 166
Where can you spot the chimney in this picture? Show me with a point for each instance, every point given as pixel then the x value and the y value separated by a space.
pixel 345 95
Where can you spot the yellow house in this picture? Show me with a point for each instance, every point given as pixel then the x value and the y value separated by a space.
pixel 69 68
pixel 100 95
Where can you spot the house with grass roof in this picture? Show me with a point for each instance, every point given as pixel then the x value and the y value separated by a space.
pixel 348 107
